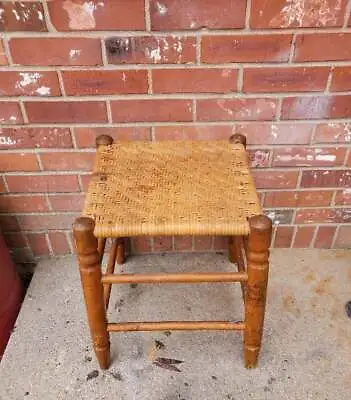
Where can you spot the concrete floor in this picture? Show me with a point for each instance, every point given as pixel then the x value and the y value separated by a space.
pixel 307 342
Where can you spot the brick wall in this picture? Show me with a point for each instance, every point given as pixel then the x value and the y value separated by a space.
pixel 278 71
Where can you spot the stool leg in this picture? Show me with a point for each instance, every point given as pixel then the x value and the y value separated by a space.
pixel 257 270
pixel 121 255
pixel 232 254
pixel 90 273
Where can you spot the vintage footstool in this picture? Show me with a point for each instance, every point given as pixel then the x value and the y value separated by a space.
pixel 173 188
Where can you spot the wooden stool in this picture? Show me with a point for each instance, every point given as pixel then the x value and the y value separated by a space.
pixel 173 188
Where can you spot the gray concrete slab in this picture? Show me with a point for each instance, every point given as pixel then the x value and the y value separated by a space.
pixel 307 342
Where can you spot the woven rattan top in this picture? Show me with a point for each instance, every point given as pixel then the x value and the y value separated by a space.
pixel 171 188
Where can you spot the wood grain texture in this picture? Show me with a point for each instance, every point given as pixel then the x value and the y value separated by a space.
pixel 257 270
pixel 90 273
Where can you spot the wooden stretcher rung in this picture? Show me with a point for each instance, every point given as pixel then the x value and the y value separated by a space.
pixel 176 326
pixel 175 278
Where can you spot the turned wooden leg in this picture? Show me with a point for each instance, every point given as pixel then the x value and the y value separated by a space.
pixel 121 256
pixel 232 255
pixel 257 270
pixel 90 273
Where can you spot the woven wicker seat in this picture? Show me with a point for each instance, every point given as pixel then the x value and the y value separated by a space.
pixel 172 188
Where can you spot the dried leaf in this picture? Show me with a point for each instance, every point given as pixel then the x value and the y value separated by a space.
pixel 92 374
pixel 164 360
pixel 159 345
pixel 170 367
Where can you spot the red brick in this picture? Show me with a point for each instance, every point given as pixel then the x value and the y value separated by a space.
pixel 32 222
pixel 142 244
pixel 42 183
pixel 203 243
pixel 85 137
pixel 323 47
pixel 15 240
pixel 18 162
pixel 66 112
pixel 84 83
pixel 151 50
pixel 303 237
pixel 13 83
pixel 182 243
pixel 162 243
pixel 322 215
pixel 326 178
pixel 193 132
pixel 3 58
pixel 333 132
pixel 9 223
pixel 236 109
pixel 59 243
pixel 38 244
pixel 324 237
pixel 220 243
pixel 291 79
pixel 22 16
pixel 348 161
pixel 67 202
pixel 272 133
pixel 245 48
pixel 157 110
pixel 64 161
pixel 343 238
pixel 308 157
pixel 199 80
pixel 283 236
pixel 26 138
pixel 2 185
pixel 297 14
pixel 182 14
pixel 343 197
pixel 259 158
pixel 10 113
pixel 341 80
pixel 22 256
pixel 275 179
pixel 16 204
pixel 56 51
pixel 316 107
pixel 96 15
pixel 308 198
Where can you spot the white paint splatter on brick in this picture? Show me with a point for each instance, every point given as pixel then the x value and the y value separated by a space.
pixel 43 91
pixel 7 141
pixel 154 54
pixel 1 14
pixel 14 11
pixel 308 12
pixel 74 53
pixel 221 104
pixel 124 77
pixel 161 8
pixel 40 15
pixel 274 131
pixel 81 16
pixel 28 78
pixel 326 157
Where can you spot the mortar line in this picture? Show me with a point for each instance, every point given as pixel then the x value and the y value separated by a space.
pixel 279 109
pixel 198 48
pixel 24 112
pixel 293 235
pixel 48 242
pixel 149 81
pixel 329 80
pixel 7 50
pixel 336 233
pixel 292 49
pixel 347 15
pixel 103 53
pixel 314 237
pixel 194 111
pixel 73 138
pixel 69 241
pixel 48 21
pixel 109 111
pixel 247 15
pixel 147 16
pixel 240 82
pixel 61 83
